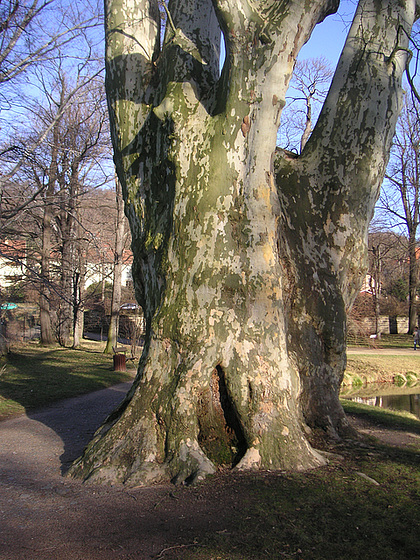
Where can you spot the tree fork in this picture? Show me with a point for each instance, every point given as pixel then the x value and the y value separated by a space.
pixel 244 271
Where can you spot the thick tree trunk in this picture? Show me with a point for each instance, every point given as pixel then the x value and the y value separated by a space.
pixel 65 312
pixel 308 123
pixel 68 222
pixel 79 276
pixel 244 282
pixel 328 196
pixel 78 327
pixel 47 337
pixel 376 285
pixel 78 310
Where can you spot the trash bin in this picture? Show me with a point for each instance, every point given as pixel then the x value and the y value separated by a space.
pixel 119 362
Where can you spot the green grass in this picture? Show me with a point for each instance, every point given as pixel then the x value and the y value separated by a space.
pixel 396 420
pixel 386 341
pixel 33 377
pixel 327 514
pixel 395 341
pixel 375 368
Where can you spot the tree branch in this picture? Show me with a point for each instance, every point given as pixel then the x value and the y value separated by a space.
pixel 358 114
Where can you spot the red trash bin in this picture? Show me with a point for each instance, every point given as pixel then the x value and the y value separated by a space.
pixel 119 362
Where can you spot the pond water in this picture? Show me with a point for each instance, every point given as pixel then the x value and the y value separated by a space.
pixel 386 395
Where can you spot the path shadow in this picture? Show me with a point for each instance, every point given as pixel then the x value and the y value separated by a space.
pixel 75 420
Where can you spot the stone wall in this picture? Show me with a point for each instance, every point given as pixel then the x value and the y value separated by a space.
pixel 387 325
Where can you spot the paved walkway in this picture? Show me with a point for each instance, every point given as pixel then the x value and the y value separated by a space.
pixel 383 351
pixel 45 516
pixel 67 426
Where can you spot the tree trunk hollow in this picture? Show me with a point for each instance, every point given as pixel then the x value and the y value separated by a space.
pixel 220 432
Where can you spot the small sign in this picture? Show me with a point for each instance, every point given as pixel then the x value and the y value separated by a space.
pixel 7 306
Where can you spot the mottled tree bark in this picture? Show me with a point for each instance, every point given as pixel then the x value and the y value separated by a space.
pixel 47 337
pixel 78 289
pixel 244 263
pixel 413 283
pixel 328 196
pixel 68 225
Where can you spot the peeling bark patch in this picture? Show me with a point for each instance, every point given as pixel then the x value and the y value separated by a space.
pixel 246 125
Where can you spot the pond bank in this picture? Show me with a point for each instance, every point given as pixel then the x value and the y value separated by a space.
pixel 390 365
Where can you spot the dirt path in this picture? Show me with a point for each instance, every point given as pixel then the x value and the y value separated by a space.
pixel 45 516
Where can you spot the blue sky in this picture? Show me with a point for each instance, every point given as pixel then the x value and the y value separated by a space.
pixel 328 37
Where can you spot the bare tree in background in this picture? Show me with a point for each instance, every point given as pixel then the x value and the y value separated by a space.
pixel 120 235
pixel 33 35
pixel 308 90
pixel 31 32
pixel 73 158
pixel 400 194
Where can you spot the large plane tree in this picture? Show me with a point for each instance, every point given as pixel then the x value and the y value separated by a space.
pixel 246 257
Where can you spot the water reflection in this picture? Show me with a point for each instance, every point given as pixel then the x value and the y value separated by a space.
pixel 386 395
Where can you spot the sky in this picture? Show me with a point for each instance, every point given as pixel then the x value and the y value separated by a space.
pixel 328 37
pixel 326 42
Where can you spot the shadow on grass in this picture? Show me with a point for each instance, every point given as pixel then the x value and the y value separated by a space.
pixel 59 387
pixel 35 378
pixel 364 505
pixel 332 513
pixel 395 420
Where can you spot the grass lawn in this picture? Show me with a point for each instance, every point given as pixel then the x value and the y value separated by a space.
pixel 375 368
pixel 329 514
pixel 386 341
pixel 33 377
pixel 364 505
pixel 366 367
pixel 395 341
